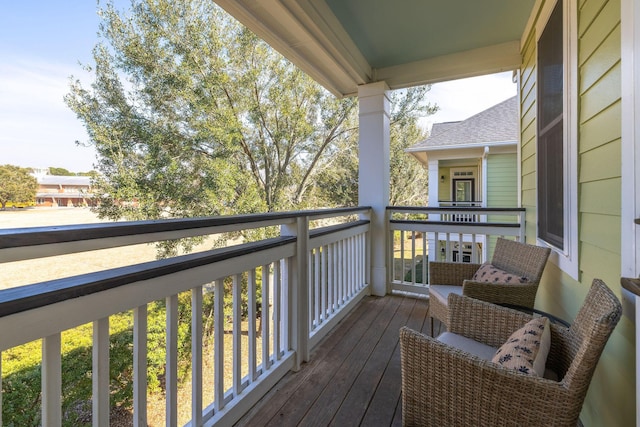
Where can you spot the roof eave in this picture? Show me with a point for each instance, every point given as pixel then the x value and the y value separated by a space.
pixel 461 146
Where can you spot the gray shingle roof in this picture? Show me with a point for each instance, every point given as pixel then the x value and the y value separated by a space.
pixel 64 180
pixel 496 124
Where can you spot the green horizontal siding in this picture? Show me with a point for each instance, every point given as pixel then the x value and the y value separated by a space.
pixel 502 180
pixel 601 163
pixel 444 189
pixel 598 130
pixel 611 396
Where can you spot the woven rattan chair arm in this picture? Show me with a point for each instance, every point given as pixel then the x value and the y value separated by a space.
pixel 483 321
pixel 442 386
pixel 520 294
pixel 451 273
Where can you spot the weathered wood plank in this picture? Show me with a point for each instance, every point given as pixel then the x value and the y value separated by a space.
pixel 300 386
pixel 345 374
pixel 362 391
pixel 353 376
pixel 382 408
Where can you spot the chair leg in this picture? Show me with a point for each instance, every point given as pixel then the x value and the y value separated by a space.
pixel 432 331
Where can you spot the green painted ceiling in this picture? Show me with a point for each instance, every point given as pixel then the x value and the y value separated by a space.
pixel 393 32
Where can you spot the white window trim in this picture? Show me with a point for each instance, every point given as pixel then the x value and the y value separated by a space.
pixel 567 258
pixel 630 209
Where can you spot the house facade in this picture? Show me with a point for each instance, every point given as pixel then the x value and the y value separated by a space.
pixel 474 160
pixel 578 150
pixel 63 191
pixel 472 163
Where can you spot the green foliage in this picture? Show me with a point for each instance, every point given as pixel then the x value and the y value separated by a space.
pixel 60 172
pixel 407 177
pixel 17 186
pixel 91 173
pixel 193 115
pixel 22 370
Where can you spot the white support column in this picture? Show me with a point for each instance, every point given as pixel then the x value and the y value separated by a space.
pixel 373 177
pixel 297 275
pixel 433 168
pixel 484 178
pixel 630 160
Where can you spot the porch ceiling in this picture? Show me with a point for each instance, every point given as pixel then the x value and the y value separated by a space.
pixel 346 43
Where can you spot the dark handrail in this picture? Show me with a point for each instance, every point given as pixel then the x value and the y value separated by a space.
pixel 452 209
pixel 23 298
pixel 457 223
pixel 335 228
pixel 33 236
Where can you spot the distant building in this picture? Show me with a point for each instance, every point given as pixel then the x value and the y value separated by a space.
pixel 68 191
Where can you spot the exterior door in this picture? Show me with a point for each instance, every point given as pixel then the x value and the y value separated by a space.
pixel 463 190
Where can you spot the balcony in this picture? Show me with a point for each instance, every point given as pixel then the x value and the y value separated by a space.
pixel 299 312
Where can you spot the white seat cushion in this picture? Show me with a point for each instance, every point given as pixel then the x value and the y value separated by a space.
pixel 476 348
pixel 479 349
pixel 442 292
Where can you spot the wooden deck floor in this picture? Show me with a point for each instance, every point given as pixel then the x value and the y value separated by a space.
pixel 353 378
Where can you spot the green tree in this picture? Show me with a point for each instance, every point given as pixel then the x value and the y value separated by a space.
pixel 191 115
pixel 16 185
pixel 408 178
pixel 60 171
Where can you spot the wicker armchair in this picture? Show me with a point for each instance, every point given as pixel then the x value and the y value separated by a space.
pixel 518 258
pixel 445 386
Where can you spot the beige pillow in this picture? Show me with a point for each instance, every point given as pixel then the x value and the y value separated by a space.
pixel 527 348
pixel 490 274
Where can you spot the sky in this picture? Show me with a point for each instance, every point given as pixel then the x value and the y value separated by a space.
pixel 44 43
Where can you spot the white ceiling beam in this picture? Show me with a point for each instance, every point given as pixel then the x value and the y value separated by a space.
pixel 476 62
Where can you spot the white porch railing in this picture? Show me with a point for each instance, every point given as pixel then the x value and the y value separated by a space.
pixel 310 279
pixel 460 216
pixel 458 234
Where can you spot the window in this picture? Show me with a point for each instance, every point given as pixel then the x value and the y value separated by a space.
pixel 557 100
pixel 550 131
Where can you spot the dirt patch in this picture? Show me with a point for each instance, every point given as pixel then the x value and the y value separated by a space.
pixel 22 273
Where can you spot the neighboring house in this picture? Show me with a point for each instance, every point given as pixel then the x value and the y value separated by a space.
pixel 59 191
pixel 576 64
pixel 472 163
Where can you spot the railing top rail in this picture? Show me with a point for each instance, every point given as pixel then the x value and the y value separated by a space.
pixel 336 228
pixel 457 201
pixel 451 209
pixel 459 224
pixel 23 298
pixel 33 236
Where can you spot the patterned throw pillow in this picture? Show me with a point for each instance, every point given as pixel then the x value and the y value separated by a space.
pixel 527 348
pixel 489 274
